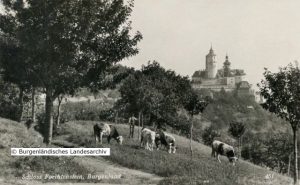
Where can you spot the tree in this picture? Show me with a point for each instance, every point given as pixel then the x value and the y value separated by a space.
pixel 281 93
pixel 68 44
pixel 154 92
pixel 11 64
pixel 237 130
pixel 194 106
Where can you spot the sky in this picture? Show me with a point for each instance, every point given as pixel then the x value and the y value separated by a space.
pixel 255 34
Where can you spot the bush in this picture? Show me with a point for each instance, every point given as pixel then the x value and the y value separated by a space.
pixel 9 101
pixel 209 134
pixel 270 150
pixel 107 115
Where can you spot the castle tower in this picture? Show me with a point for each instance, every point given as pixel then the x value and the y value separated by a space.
pixel 226 67
pixel 211 64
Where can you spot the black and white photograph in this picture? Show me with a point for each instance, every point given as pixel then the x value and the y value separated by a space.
pixel 149 92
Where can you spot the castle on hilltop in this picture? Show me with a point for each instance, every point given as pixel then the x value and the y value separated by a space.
pixel 225 78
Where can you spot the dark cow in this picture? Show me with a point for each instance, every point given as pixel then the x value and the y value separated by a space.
pixel 104 129
pixel 165 139
pixel 220 148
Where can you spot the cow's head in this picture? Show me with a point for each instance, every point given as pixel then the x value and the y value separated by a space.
pixel 120 140
pixel 231 156
pixel 233 160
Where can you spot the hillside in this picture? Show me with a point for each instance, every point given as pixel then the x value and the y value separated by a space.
pixel 226 107
pixel 14 134
pixel 175 168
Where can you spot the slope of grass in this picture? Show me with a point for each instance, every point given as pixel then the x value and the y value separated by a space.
pixel 16 135
pixel 177 168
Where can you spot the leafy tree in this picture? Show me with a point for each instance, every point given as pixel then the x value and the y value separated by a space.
pixel 11 58
pixel 281 93
pixel 155 94
pixel 68 44
pixel 237 130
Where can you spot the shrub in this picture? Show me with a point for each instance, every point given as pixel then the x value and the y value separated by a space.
pixel 9 101
pixel 209 134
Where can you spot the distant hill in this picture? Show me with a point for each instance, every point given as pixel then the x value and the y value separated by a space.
pixel 226 107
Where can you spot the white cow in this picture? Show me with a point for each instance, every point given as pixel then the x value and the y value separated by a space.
pixel 104 129
pixel 220 148
pixel 147 139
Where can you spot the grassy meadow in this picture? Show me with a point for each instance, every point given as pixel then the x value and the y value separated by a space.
pixel 13 168
pixel 176 168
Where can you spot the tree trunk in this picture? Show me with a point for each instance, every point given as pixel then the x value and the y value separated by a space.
pixel 59 98
pixel 49 116
pixel 191 136
pixel 33 104
pixel 239 147
pixel 289 166
pixel 142 120
pixel 295 157
pixel 21 105
pixel 139 125
pixel 116 118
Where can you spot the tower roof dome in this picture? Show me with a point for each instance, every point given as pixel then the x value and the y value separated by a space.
pixel 211 52
pixel 226 60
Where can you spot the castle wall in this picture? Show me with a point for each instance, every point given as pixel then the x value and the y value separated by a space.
pixel 230 81
pixel 238 79
pixel 212 87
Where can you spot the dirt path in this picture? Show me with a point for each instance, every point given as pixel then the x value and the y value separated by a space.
pixel 103 172
pixel 123 175
pixel 115 173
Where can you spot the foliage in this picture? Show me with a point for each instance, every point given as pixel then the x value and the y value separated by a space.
pixel 64 45
pixel 281 93
pixel 272 150
pixel 193 104
pixel 236 129
pixel 155 92
pixel 223 109
pixel 9 101
pixel 209 134
pixel 72 111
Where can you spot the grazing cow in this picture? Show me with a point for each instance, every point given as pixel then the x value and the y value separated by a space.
pixel 165 139
pixel 147 139
pixel 220 148
pixel 104 129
